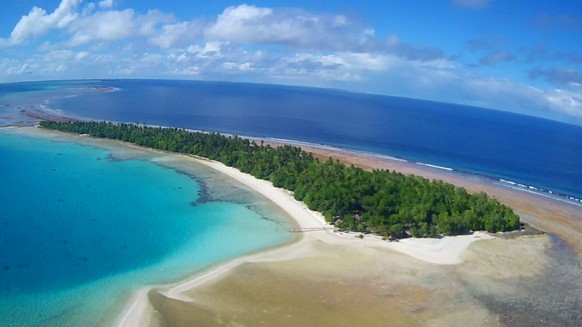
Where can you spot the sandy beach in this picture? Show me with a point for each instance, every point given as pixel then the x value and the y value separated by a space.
pixel 545 213
pixel 322 251
pixel 330 278
pixel 445 251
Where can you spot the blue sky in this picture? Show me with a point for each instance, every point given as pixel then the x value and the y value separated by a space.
pixel 520 56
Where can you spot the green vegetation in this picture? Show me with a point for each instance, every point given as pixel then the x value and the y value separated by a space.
pixel 379 201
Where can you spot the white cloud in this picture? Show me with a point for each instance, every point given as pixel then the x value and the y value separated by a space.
pixel 245 25
pixel 287 27
pixel 81 55
pixel 566 101
pixel 241 23
pixel 249 43
pixel 209 49
pixel 113 25
pixel 367 61
pixel 327 69
pixel 38 22
pixel 21 69
pixel 107 25
pixel 503 94
pixel 106 4
pixel 151 58
pixel 85 25
pixel 152 23
pixel 246 66
pixel 233 67
pixel 88 9
pixel 171 35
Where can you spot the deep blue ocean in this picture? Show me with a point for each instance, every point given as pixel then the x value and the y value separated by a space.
pixel 531 151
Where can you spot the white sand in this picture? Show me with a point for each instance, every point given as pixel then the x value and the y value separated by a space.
pixel 440 251
pixel 444 251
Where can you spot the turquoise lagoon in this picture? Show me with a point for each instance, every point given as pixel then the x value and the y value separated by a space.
pixel 80 230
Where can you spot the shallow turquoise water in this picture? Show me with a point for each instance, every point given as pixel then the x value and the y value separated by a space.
pixel 79 231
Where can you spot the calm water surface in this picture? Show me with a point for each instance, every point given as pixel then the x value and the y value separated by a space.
pixel 80 230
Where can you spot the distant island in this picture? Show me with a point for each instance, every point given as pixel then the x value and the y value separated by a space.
pixel 386 203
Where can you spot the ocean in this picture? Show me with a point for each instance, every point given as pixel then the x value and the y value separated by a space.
pixel 81 229
pixel 525 152
pixel 155 225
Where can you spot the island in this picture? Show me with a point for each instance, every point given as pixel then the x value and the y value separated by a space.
pixel 382 202
pixel 331 276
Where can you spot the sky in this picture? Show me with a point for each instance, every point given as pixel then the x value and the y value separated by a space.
pixel 523 56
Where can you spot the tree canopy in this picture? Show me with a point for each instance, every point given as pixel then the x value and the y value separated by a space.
pixel 379 201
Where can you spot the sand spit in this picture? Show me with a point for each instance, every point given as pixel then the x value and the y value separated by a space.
pixel 445 251
pixel 328 277
pixel 335 279
pixel 542 212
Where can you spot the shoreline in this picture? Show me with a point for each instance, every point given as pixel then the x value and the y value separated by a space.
pixel 542 211
pixel 323 149
pixel 370 161
pixel 446 251
pixel 39 110
pixel 428 250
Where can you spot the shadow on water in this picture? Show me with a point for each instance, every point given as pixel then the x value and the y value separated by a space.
pixel 552 299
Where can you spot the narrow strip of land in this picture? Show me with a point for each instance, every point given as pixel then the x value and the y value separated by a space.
pixel 446 251
pixel 370 274
pixel 542 212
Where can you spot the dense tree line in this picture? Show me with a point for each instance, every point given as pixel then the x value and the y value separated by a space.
pixel 379 201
